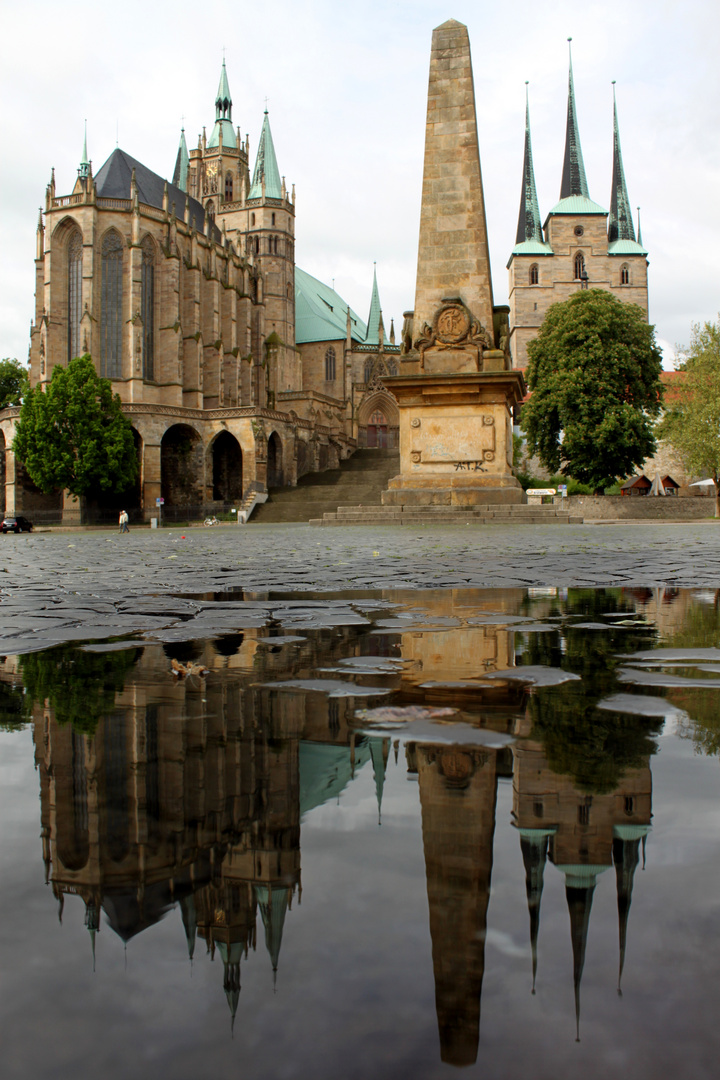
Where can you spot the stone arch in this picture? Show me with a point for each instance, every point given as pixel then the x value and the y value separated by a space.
pixel 106 505
pixel 378 421
pixel 225 462
pixel 275 474
pixel 181 466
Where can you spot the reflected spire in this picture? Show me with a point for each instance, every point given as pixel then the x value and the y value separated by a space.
pixel 579 905
pixel 231 956
pixel 273 903
pixel 534 847
pixel 626 856
pixel 379 752
pixel 92 921
pixel 189 918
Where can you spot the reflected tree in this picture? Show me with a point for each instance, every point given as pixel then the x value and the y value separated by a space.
pixel 80 686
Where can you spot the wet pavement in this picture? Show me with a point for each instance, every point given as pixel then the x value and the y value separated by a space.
pixel 57 587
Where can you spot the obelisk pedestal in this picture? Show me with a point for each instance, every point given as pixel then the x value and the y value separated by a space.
pixel 456 391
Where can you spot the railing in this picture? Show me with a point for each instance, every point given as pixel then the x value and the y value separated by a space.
pixel 68 200
pixel 151 211
pixel 115 204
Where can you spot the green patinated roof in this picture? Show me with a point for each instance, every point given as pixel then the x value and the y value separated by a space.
pixel 228 134
pixel 620 222
pixel 532 247
pixel 626 247
pixel 326 770
pixel 573 175
pixel 373 325
pixel 537 835
pixel 577 204
pixel 630 832
pixel 181 164
pixel 320 314
pixel 266 167
pixel 581 876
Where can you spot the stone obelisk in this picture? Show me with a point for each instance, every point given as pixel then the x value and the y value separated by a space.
pixel 456 391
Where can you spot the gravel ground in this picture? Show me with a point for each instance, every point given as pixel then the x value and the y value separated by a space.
pixel 65 586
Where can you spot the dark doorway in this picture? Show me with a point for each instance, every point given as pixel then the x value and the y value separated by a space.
pixel 377 431
pixel 181 466
pixel 227 468
pixel 274 461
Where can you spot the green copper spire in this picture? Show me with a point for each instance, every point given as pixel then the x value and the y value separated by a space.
pixel 223 115
pixel 223 101
pixel 379 752
pixel 181 164
pixel 534 847
pixel 375 317
pixel 84 170
pixel 573 175
pixel 273 904
pixel 620 224
pixel 266 167
pixel 529 224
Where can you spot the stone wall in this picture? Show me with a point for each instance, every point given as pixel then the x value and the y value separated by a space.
pixel 639 507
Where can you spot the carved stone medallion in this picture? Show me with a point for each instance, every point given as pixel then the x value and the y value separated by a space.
pixel 452 323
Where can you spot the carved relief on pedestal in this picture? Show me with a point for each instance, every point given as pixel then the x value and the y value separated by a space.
pixel 454 328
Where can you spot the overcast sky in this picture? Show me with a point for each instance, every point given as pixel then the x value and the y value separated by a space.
pixel 346 88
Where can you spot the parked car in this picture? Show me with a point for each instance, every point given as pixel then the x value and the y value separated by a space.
pixel 15 523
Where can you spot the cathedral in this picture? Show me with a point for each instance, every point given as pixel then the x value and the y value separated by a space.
pixel 239 371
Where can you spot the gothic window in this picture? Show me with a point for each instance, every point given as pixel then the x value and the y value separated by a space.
pixel 228 188
pixel 625 274
pixel 330 364
pixel 273 221
pixel 210 210
pixel 368 370
pixel 378 418
pixel 534 274
pixel 74 268
pixel 252 221
pixel 275 243
pixel 111 306
pixel 579 266
pixel 257 245
pixel 392 367
pixel 147 308
pixel 270 240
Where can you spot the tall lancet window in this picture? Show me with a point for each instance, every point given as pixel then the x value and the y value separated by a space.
pixel 147 308
pixel 579 266
pixel 534 274
pixel 111 307
pixel 228 187
pixel 74 269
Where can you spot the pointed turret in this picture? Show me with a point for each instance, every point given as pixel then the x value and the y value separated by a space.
pixel 620 224
pixel 534 847
pixel 530 239
pixel 231 955
pixel 223 132
pixel 573 176
pixel 189 918
pixel 273 904
pixel 375 317
pixel 580 884
pixel 626 856
pixel 379 752
pixel 84 169
pixel 181 164
pixel 266 178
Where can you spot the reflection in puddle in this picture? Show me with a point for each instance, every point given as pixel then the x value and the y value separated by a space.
pixel 184 792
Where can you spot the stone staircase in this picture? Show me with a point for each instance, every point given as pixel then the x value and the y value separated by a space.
pixel 360 479
pixel 488 514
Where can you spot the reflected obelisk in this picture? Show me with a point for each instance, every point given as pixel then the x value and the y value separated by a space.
pixel 458 788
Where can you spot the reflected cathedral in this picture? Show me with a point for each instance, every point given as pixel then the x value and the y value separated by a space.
pixel 190 795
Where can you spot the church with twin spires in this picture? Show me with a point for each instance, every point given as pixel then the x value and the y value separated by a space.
pixel 239 371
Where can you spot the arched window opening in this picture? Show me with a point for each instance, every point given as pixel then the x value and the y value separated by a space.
pixel 330 364
pixel 580 274
pixel 625 274
pixel 257 245
pixel 534 274
pixel 75 252
pixel 228 188
pixel 147 309
pixel 210 210
pixel 368 370
pixel 111 297
pixel 252 221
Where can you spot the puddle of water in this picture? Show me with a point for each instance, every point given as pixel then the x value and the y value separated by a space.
pixel 244 874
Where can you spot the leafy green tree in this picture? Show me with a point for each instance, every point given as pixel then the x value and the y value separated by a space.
pixel 73 435
pixel 13 382
pixel 692 420
pixel 594 373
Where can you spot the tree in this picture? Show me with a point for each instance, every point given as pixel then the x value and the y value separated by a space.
pixel 692 420
pixel 594 373
pixel 73 434
pixel 13 382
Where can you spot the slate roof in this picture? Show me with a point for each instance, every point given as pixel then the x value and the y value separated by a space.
pixel 620 223
pixel 321 314
pixel 573 174
pixel 113 182
pixel 266 166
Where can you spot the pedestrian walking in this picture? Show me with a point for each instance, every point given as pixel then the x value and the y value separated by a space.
pixel 123 521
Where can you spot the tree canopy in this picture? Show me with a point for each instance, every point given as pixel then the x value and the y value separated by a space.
pixel 692 420
pixel 13 382
pixel 73 434
pixel 594 373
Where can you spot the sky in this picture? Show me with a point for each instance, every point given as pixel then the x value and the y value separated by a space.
pixel 346 90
